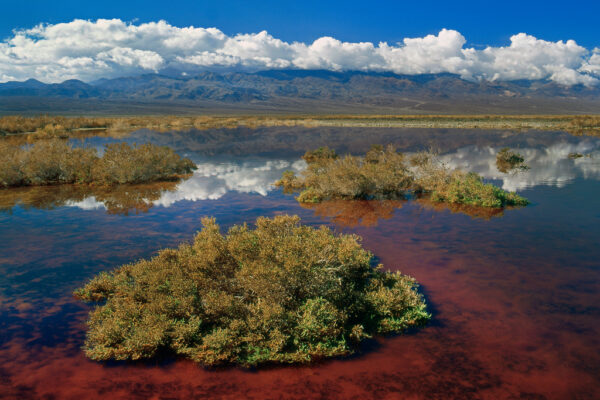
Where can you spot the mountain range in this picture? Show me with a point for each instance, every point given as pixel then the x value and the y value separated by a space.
pixel 296 91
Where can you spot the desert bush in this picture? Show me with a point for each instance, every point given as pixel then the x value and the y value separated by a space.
pixel 508 160
pixel 122 163
pixel 575 156
pixel 281 292
pixel 468 188
pixel 11 165
pixel 384 174
pixel 47 125
pixel 57 162
pixel 433 177
pixel 585 121
pixel 430 173
pixel 320 156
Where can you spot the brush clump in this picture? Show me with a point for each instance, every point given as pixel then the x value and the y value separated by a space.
pixel 509 161
pixel 383 173
pixel 433 177
pixel 280 293
pixel 58 162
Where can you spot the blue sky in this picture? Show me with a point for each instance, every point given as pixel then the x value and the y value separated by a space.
pixel 481 22
pixel 501 40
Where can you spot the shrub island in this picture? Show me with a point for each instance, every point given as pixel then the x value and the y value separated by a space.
pixel 58 162
pixel 280 293
pixel 383 173
pixel 509 161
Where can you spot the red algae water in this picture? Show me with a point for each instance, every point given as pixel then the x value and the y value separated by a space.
pixel 514 293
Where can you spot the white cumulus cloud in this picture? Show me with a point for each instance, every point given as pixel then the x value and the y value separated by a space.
pixel 89 50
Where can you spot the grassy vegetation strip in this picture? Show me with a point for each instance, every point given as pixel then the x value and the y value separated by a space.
pixel 282 292
pixel 56 126
pixel 384 173
pixel 57 162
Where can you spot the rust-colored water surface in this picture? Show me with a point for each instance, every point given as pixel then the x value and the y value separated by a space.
pixel 514 294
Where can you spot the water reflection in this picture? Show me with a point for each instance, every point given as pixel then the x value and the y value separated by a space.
pixel 369 213
pixel 292 142
pixel 353 213
pixel 213 179
pixel 515 301
pixel 547 166
pixel 217 176
pixel 546 153
pixel 119 199
pixel 466 209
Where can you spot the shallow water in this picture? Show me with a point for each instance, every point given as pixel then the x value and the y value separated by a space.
pixel 514 293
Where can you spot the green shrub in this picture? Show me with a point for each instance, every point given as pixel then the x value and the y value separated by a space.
pixel 57 162
pixel 433 177
pixel 384 174
pixel 381 174
pixel 574 156
pixel 469 189
pixel 320 155
pixel 281 292
pixel 122 163
pixel 507 161
pixel 11 166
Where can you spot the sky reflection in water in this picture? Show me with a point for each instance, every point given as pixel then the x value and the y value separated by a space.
pixel 548 160
pixel 515 299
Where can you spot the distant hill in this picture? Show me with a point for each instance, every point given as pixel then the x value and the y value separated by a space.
pixel 297 91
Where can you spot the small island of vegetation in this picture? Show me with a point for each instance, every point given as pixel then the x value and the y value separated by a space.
pixel 383 173
pixel 280 293
pixel 509 161
pixel 58 162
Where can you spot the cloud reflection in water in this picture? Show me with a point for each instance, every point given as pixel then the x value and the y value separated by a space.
pixel 214 178
pixel 548 166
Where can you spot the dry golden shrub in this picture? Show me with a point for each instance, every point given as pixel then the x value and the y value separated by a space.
pixel 282 293
pixel 58 162
pixel 385 174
